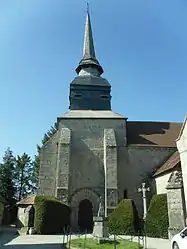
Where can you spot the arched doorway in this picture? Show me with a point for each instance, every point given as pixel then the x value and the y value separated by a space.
pixel 85 216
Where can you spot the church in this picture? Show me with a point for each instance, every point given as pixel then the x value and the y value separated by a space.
pixel 97 154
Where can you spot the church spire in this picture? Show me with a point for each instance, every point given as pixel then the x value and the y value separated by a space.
pixel 88 50
pixel 89 58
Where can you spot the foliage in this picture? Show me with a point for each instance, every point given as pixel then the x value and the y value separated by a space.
pixel 157 217
pixel 51 216
pixel 124 219
pixel 93 244
pixel 23 175
pixel 48 135
pixel 7 176
pixel 35 175
pixel 1 208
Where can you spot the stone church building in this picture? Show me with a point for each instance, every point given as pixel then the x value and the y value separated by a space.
pixel 96 153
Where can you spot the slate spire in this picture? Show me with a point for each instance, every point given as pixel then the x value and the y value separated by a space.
pixel 89 58
pixel 88 50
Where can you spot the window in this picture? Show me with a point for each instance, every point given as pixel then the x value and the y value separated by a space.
pixel 78 95
pixel 104 97
pixel 125 194
pixel 185 232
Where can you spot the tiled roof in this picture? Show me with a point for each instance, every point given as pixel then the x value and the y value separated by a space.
pixel 154 134
pixel 170 164
pixel 29 200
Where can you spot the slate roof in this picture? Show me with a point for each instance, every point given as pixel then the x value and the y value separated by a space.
pixel 91 114
pixel 89 57
pixel 29 200
pixel 90 80
pixel 171 163
pixel 152 134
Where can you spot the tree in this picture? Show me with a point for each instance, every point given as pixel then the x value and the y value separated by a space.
pixel 7 173
pixel 24 172
pixel 49 134
pixel 35 175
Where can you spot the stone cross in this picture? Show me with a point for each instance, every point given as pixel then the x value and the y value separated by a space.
pixel 101 209
pixel 143 189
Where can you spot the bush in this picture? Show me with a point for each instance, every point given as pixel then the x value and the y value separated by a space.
pixel 124 219
pixel 157 223
pixel 1 209
pixel 51 216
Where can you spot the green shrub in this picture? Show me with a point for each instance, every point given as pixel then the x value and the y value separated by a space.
pixel 124 219
pixel 157 223
pixel 1 209
pixel 51 216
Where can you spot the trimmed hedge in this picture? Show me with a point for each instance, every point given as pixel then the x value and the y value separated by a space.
pixel 124 219
pixel 157 222
pixel 1 209
pixel 51 216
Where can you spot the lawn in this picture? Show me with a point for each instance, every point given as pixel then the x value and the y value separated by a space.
pixel 93 244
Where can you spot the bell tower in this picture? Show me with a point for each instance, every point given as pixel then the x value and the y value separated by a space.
pixel 89 91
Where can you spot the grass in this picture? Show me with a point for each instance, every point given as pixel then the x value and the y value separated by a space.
pixel 93 244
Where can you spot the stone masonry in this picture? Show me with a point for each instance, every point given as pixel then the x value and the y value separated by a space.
pixel 176 204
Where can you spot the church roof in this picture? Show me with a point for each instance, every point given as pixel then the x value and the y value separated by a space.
pixel 152 134
pixel 91 114
pixel 29 200
pixel 90 80
pixel 171 163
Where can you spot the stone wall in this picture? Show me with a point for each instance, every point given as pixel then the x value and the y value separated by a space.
pixel 110 167
pixel 87 151
pixel 63 165
pixel 182 148
pixel 161 183
pixel 21 216
pixel 139 165
pixel 48 167
pixel 175 201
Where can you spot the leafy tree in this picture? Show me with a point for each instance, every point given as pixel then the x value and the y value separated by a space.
pixel 23 174
pixel 7 174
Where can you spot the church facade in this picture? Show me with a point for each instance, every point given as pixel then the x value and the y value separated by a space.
pixel 97 154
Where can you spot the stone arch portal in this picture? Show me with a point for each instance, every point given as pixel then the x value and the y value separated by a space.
pixel 81 200
pixel 85 216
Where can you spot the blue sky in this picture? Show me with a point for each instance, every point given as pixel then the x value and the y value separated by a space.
pixel 142 46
